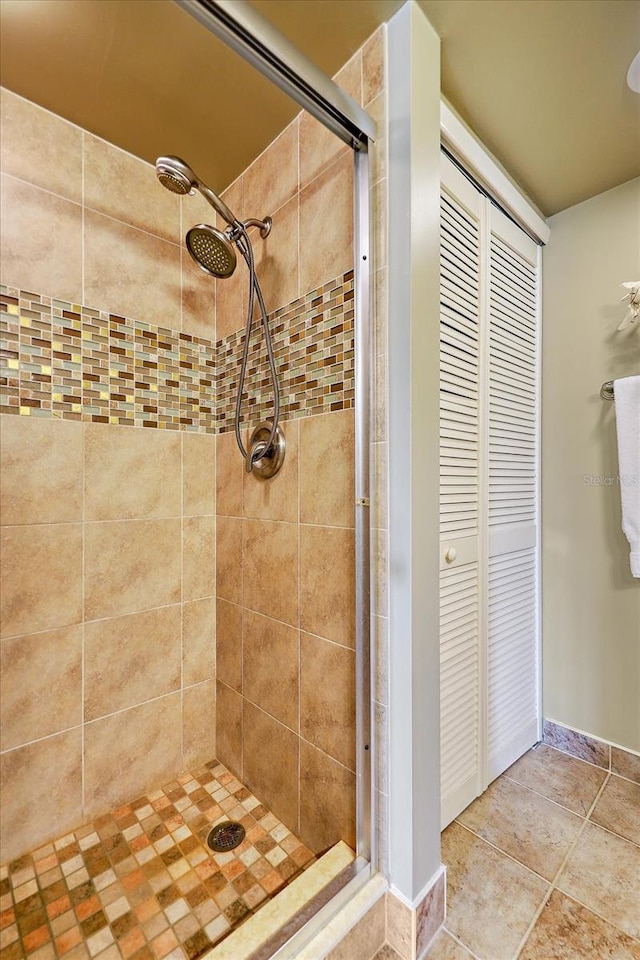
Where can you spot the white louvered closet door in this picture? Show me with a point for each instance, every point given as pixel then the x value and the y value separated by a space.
pixel 488 492
pixel 512 654
pixel 460 281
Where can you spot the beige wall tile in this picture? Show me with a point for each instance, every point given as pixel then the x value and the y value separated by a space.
pixel 272 179
pixel 131 752
pixel 199 724
pixel 380 219
pixel 327 800
pixel 198 557
pixel 578 745
pixel 625 764
pixel 326 242
pixel 382 831
pixel 31 669
pixel 229 727
pixel 381 590
pixel 229 644
pixel 430 915
pixel 381 648
pixel 380 491
pixel 129 660
pixel 349 77
pixel 380 399
pixel 381 313
pixel 41 786
pixel 270 568
pixel 198 474
pixel 399 926
pixel 277 498
pixel 229 559
pixel 198 640
pixel 328 698
pixel 30 217
pixel 365 939
pixel 198 299
pixel 131 565
pixel 125 187
pixel 131 474
pixel 373 56
pixel 327 469
pixel 377 110
pixel 39 147
pixel 271 763
pixel 327 602
pixel 232 293
pixel 41 577
pixel 276 257
pixel 270 673
pixel 40 470
pixel 130 272
pixel 229 470
pixel 319 148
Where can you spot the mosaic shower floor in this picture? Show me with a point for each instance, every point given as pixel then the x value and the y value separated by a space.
pixel 141 883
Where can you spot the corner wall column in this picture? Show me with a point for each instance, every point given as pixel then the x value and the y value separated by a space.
pixel 414 190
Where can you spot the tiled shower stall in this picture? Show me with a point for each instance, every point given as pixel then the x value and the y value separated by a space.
pixel 160 606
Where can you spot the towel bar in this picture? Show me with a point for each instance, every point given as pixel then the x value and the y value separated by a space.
pixel 606 390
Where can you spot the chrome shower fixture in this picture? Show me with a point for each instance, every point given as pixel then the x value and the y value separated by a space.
pixel 215 252
pixel 210 248
pixel 177 176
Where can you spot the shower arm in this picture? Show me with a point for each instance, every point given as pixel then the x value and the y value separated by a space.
pixel 220 207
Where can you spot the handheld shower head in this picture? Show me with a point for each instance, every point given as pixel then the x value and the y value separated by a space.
pixel 177 176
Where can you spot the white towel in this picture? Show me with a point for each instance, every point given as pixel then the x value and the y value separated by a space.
pixel 627 402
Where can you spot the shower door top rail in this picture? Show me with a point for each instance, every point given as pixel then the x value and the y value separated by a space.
pixel 251 35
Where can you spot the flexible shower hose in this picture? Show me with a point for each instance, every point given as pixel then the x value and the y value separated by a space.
pixel 250 456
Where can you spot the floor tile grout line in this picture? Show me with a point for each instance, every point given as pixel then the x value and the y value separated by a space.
pixel 560 869
pixel 572 756
pixel 475 956
pixel 613 833
pixel 600 916
pixel 502 852
pixel 582 816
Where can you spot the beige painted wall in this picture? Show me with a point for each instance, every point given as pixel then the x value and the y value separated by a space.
pixel 591 604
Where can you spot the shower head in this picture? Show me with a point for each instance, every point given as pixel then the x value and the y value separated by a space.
pixel 174 174
pixel 212 250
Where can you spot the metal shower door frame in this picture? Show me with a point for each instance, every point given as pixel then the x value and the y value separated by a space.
pixel 242 28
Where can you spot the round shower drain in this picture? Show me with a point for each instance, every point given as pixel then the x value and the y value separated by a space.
pixel 225 836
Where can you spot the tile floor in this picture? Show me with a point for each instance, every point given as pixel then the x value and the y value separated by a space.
pixel 141 883
pixel 544 866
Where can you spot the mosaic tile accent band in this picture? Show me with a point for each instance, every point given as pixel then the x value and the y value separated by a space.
pixel 141 883
pixel 61 360
pixel 313 340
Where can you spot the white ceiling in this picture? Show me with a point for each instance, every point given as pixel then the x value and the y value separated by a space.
pixel 542 82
